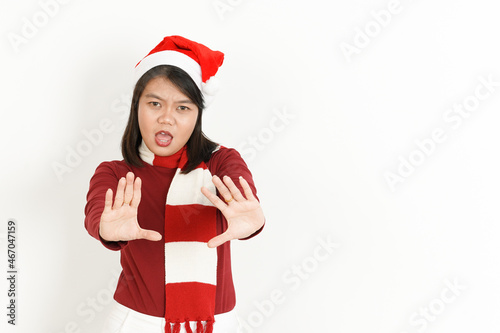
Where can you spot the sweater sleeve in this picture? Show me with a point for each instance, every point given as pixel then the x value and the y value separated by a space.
pixel 104 177
pixel 230 163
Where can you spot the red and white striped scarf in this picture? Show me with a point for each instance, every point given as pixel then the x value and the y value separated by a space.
pixel 190 265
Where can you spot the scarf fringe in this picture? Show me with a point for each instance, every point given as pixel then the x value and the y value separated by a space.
pixel 199 327
pixel 176 327
pixel 210 326
pixel 188 327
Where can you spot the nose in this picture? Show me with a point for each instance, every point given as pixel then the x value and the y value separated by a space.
pixel 167 116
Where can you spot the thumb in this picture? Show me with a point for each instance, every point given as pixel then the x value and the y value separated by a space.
pixel 149 235
pixel 219 240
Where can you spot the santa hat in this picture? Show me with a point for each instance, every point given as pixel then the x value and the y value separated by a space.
pixel 197 60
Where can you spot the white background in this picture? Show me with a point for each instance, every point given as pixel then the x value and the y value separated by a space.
pixel 346 122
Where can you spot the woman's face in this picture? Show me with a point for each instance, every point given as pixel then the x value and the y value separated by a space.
pixel 166 117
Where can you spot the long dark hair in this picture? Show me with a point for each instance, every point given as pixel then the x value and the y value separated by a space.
pixel 199 147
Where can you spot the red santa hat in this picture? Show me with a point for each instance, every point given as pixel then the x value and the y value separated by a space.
pixel 197 60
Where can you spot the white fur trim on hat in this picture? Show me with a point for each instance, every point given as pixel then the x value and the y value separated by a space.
pixel 173 58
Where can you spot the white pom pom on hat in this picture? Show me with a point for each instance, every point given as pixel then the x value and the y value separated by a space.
pixel 200 62
pixel 211 86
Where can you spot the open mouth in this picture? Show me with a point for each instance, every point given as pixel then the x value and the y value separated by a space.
pixel 163 138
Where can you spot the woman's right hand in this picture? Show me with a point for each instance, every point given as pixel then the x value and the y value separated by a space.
pixel 119 220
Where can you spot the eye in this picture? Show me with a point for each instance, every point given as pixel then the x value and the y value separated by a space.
pixel 155 104
pixel 183 108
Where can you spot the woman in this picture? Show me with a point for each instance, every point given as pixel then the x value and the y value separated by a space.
pixel 179 199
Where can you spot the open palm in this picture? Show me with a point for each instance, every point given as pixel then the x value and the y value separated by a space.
pixel 244 214
pixel 119 219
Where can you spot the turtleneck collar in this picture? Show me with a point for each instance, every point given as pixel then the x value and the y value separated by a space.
pixel 149 157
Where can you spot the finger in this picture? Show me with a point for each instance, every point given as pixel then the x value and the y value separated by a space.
pixel 149 235
pixel 246 188
pixel 217 202
pixel 108 200
pixel 223 190
pixel 235 192
pixel 119 193
pixel 129 188
pixel 137 193
pixel 219 240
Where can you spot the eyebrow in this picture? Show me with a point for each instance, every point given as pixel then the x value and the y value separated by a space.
pixel 184 101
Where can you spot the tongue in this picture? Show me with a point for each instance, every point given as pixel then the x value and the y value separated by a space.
pixel 164 137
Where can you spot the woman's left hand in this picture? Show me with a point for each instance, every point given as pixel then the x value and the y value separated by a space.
pixel 244 215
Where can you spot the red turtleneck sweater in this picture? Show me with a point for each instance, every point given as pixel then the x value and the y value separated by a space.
pixel 141 285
